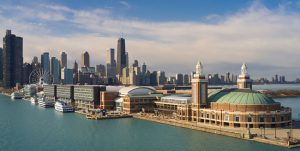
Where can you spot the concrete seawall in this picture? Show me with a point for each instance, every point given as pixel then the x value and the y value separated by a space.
pixel 218 130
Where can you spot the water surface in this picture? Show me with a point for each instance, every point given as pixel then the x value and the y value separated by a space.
pixel 27 127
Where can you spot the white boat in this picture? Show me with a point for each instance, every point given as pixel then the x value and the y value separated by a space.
pixel 63 107
pixel 34 100
pixel 16 95
pixel 46 103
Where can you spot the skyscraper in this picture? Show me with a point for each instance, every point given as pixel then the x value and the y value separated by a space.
pixel 67 76
pixel 75 73
pixel 85 60
pixel 45 62
pixel 135 63
pixel 110 63
pixel 179 79
pixel 55 70
pixel 100 70
pixel 27 69
pixel 1 64
pixel 121 56
pixel 63 60
pixel 144 68
pixel 12 60
pixel 35 63
pixel 161 78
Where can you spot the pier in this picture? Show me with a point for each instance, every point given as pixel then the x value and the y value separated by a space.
pixel 270 136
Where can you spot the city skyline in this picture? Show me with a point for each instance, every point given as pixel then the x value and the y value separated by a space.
pixel 264 46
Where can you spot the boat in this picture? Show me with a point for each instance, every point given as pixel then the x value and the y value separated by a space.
pixel 46 103
pixel 63 107
pixel 34 100
pixel 16 95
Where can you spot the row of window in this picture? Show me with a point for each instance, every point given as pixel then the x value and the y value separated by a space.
pixel 237 118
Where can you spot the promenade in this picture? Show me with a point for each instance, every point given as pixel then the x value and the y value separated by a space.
pixel 278 136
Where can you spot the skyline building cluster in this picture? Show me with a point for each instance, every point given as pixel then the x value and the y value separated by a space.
pixel 116 71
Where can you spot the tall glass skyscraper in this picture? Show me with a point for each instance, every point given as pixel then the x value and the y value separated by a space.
pixel 121 56
pixel 55 70
pixel 45 62
pixel 12 60
pixel 63 60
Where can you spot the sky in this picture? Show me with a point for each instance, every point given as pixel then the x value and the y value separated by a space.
pixel 167 35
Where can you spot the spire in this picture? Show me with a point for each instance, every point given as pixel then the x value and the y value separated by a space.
pixel 199 68
pixel 244 69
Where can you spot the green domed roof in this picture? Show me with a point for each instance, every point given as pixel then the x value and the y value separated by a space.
pixel 240 97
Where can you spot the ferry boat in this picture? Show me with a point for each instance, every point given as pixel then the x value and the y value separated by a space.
pixel 44 102
pixel 16 95
pixel 34 100
pixel 63 107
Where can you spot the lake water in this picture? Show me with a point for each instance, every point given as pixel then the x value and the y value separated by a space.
pixel 27 127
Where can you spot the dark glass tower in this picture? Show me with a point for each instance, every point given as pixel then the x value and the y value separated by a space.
pixel 121 56
pixel 12 60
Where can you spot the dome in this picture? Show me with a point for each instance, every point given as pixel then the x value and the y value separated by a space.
pixel 240 97
pixel 136 90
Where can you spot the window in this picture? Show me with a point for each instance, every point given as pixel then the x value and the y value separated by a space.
pixel 249 119
pixel 195 113
pixel 261 119
pixel 282 118
pixel 213 116
pixel 226 118
pixel 237 119
pixel 207 115
pixel 201 114
pixel 273 119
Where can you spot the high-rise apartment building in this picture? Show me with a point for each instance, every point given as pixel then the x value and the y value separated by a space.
pixel 12 60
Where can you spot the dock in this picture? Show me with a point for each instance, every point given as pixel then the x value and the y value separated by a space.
pixel 106 117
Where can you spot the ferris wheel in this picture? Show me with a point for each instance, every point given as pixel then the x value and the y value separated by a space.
pixel 40 77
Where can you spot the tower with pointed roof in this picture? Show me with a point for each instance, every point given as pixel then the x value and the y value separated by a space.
pixel 199 91
pixel 244 81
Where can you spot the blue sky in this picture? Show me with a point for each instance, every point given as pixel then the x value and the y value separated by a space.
pixel 222 34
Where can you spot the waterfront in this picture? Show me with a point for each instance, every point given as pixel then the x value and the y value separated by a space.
pixel 27 127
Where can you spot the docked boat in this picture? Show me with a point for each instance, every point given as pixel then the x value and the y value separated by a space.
pixel 46 103
pixel 63 107
pixel 16 95
pixel 34 100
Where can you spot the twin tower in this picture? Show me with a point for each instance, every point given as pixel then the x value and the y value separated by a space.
pixel 200 88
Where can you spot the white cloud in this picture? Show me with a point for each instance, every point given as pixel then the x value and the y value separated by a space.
pixel 258 35
pixel 126 4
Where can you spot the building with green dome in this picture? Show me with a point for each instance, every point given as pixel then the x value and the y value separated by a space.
pixel 234 107
pixel 239 107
